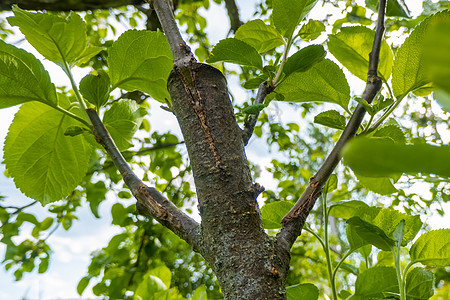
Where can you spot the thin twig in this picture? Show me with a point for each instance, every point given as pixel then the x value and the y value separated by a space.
pixel 294 220
pixel 249 125
pixel 233 14
pixel 150 202
pixel 182 54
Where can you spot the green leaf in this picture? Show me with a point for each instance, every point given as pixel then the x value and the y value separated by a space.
pixel 419 284
pixel 304 59
pixel 331 118
pixel 272 213
pixel 371 233
pixel 311 30
pixel 122 120
pixel 237 52
pixel 75 130
pixel 304 291
pixel 324 82
pixel 259 35
pixel 148 287
pixel 118 213
pixel 62 41
pixel 394 8
pixel 346 209
pixel 380 185
pixel 23 78
pixel 287 14
pixel 352 46
pixel 436 53
pixel 26 217
pixel 46 223
pixel 45 164
pixel 443 98
pixel 95 194
pixel 373 282
pixel 432 249
pixel 409 71
pixel 163 273
pixel 200 293
pixel 387 219
pixel 254 109
pixel 43 265
pixel 331 184
pixel 95 89
pixel 141 60
pixel 389 159
pixel 355 241
pixel 391 131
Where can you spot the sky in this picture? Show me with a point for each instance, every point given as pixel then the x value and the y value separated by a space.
pixel 71 249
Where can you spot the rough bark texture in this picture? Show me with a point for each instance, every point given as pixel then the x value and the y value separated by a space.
pixel 65 5
pixel 234 243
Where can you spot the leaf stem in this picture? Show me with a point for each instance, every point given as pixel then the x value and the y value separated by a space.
pixel 396 253
pixel 386 114
pixel 83 106
pixel 72 115
pixel 341 262
pixel 327 247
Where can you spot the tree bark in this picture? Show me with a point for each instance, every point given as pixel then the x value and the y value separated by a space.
pixel 243 257
pixel 64 5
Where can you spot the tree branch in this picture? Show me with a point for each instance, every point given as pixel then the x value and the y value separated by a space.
pixel 233 14
pixel 250 123
pixel 295 219
pixel 64 5
pixel 182 54
pixel 149 201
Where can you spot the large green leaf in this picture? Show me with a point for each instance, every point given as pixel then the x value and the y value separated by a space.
pixel 380 185
pixel 370 233
pixel 46 165
pixel 346 209
pixel 387 219
pixel 287 14
pixel 436 53
pixel 419 284
pixel 59 40
pixel 122 120
pixel 355 241
pixel 259 35
pixel 352 46
pixel 272 213
pixel 378 157
pixel 149 287
pixel 324 82
pixel 304 291
pixel 304 59
pixel 141 60
pixel 409 71
pixel 23 78
pixel 432 248
pixel 236 51
pixel 373 282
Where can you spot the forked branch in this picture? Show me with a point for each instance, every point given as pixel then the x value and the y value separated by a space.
pixel 233 14
pixel 294 220
pixel 149 201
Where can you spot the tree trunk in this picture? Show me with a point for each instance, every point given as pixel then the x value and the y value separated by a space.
pixel 243 257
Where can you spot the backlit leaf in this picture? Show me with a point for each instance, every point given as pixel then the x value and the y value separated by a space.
pixel 287 14
pixel 311 30
pixel 419 284
pixel 236 51
pixel 409 71
pixel 432 248
pixel 324 82
pixel 272 213
pixel 389 159
pixel 95 89
pixel 259 35
pixel 46 165
pixel 352 46
pixel 304 59
pixel 122 120
pixel 59 40
pixel 23 78
pixel 141 60
pixel 371 233
pixel 373 282
pixel 304 291
pixel 331 118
